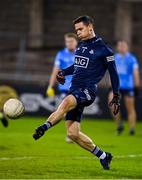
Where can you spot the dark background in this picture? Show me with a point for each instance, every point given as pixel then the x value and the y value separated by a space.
pixel 31 33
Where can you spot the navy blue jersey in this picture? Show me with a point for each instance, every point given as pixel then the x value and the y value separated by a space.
pixel 92 58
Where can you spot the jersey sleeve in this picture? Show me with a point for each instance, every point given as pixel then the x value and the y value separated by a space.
pixel 69 70
pixel 135 64
pixel 111 66
pixel 57 62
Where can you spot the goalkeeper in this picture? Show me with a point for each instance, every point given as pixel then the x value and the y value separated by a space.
pixel 63 59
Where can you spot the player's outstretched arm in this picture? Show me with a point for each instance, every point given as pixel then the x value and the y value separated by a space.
pixel 136 81
pixel 115 102
pixel 50 90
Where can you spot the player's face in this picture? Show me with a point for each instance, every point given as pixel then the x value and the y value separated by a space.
pixel 83 31
pixel 122 47
pixel 70 43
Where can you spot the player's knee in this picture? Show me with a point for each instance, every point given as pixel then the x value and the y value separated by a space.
pixel 72 134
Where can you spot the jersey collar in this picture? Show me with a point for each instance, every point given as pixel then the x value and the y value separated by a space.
pixel 126 55
pixel 92 40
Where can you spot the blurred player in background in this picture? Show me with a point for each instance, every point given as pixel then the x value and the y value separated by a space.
pixel 64 59
pixel 92 58
pixel 6 92
pixel 128 71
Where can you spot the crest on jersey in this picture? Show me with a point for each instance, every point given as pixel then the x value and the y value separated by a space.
pixel 91 51
pixel 81 61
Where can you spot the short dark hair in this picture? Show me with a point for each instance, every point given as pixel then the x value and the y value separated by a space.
pixel 85 19
pixel 122 41
pixel 71 35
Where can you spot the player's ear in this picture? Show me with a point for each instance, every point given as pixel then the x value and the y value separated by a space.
pixel 90 28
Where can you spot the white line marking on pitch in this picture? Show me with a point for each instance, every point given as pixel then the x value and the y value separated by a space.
pixel 15 158
pixel 117 157
pixel 128 156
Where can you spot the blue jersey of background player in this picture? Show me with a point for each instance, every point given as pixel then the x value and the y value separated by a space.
pixel 128 71
pixel 63 59
pixel 92 58
pixel 126 65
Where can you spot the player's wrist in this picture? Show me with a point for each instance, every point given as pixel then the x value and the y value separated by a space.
pixel 62 72
pixel 116 94
pixel 49 87
pixel 136 87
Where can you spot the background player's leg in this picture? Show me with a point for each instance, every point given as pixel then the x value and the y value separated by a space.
pixel 131 112
pixel 117 118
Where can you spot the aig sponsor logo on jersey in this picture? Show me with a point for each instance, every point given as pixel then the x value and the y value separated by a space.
pixel 81 61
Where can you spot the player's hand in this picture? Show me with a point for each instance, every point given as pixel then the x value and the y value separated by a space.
pixel 50 92
pixel 115 103
pixel 61 77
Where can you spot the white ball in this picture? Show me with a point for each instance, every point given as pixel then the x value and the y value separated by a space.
pixel 13 108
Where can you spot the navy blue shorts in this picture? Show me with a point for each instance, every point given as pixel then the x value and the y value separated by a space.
pixel 127 92
pixel 84 97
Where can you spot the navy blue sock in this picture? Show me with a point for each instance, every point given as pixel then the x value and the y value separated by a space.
pixel 47 125
pixel 99 153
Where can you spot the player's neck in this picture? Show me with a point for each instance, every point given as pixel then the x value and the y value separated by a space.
pixel 124 53
pixel 71 50
pixel 92 35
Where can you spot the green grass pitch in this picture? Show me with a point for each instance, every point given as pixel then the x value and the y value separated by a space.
pixel 51 157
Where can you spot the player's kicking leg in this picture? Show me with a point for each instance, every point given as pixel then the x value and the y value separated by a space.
pixel 73 131
pixel 66 105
